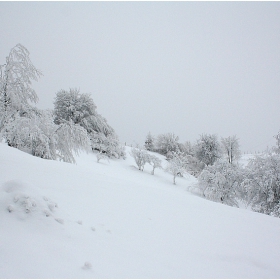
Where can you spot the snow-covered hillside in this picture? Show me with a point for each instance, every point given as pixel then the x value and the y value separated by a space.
pixel 109 220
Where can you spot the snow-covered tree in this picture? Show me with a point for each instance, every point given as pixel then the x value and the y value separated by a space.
pixel 16 77
pixel 247 191
pixel 71 138
pixel 221 182
pixel 41 137
pixel 81 110
pixel 150 142
pixel 189 148
pixel 154 161
pixel 15 131
pixel 140 156
pixel 75 106
pixel 264 179
pixel 98 140
pixel 166 143
pixel 208 149
pixel 230 147
pixel 176 166
pixel 277 148
pixel 109 145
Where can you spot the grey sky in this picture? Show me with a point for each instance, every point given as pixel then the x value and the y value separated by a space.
pixel 182 67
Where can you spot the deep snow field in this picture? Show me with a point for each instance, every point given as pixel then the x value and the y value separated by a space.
pixel 110 220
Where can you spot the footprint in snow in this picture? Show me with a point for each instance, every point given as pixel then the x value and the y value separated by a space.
pixel 87 265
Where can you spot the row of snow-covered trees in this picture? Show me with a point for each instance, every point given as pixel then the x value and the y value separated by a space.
pixel 256 185
pixel 176 165
pixel 186 158
pixel 73 125
pixel 204 152
pixel 141 157
pixel 220 177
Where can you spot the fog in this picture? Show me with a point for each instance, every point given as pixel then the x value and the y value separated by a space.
pixel 182 67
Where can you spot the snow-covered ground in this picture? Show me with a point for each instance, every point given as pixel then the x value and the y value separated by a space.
pixel 110 220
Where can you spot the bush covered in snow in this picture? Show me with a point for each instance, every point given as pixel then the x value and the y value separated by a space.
pixel 176 166
pixel 155 162
pixel 221 182
pixel 263 184
pixel 140 156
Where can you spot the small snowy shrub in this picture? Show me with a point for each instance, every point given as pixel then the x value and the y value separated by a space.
pixel 193 165
pixel 176 166
pixel 140 156
pixel 154 161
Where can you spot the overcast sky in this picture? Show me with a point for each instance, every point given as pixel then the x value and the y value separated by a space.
pixel 182 67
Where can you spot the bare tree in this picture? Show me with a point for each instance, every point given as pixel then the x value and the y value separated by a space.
pixel 230 147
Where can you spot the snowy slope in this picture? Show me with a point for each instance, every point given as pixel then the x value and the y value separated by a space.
pixel 109 220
